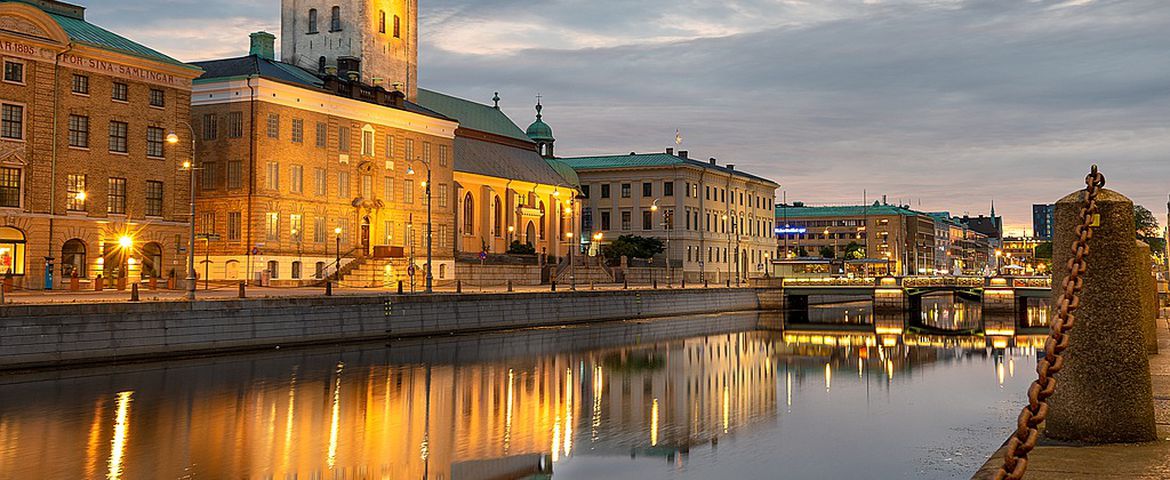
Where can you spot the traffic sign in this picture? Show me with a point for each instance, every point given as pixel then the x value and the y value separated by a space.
pixel 482 256
pixel 410 270
pixel 214 237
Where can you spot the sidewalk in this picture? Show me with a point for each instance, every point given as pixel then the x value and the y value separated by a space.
pixel 1125 461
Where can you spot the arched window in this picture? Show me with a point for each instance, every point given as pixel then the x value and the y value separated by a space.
pixel 152 260
pixel 312 20
pixel 320 270
pixel 397 27
pixel 296 270
pixel 498 215
pixel 12 245
pixel 468 215
pixel 73 259
pixel 273 269
pixel 381 21
pixel 321 65
pixel 543 221
pixel 335 20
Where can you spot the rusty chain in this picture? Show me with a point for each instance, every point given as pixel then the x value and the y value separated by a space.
pixel 1023 440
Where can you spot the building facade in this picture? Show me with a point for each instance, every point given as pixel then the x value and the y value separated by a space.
pixel 716 220
pixel 903 238
pixel 1042 217
pixel 300 169
pixel 88 185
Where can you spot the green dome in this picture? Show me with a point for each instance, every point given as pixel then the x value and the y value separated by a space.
pixel 540 131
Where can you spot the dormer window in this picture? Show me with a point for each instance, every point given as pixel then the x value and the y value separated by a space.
pixel 312 20
pixel 335 20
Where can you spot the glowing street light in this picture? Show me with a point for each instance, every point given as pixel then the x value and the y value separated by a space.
pixel 126 242
pixel 189 166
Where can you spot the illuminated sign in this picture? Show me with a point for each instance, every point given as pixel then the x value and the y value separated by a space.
pixel 787 230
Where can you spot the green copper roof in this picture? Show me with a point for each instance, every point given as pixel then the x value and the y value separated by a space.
pixel 565 171
pixel 82 31
pixel 650 160
pixel 792 212
pixel 540 131
pixel 471 115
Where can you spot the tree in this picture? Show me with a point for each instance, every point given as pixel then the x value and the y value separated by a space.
pixel 802 252
pixel 828 252
pixel 632 246
pixel 1043 250
pixel 854 251
pixel 1148 229
pixel 517 248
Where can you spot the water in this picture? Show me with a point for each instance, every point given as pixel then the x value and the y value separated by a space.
pixel 697 397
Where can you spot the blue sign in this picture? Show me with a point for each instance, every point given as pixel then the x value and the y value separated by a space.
pixel 789 230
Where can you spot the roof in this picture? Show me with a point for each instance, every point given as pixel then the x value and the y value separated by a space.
pixel 650 160
pixel 503 161
pixel 81 31
pixel 565 171
pixel 215 70
pixel 472 115
pixel 791 212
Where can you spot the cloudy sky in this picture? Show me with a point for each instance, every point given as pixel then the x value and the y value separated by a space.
pixel 946 104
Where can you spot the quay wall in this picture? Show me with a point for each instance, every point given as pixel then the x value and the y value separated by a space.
pixel 33 336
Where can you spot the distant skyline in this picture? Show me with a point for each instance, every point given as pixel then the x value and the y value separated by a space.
pixel 951 103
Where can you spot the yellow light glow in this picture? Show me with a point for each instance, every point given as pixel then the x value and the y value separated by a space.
pixel 598 236
pixel 335 421
pixel 569 235
pixel 828 377
pixel 80 196
pixel 508 411
pixel 999 373
pixel 654 208
pixel 726 408
pixel 568 412
pixel 186 164
pixel 511 229
pixel 337 231
pixel 654 423
pixel 121 432
pixel 125 241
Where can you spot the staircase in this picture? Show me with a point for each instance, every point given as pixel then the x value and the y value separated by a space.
pixel 586 271
pixel 374 273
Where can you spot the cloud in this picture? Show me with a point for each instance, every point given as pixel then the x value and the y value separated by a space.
pixel 949 102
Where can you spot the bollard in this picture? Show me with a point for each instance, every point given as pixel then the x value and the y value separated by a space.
pixel 654 284
pixel 99 284
pixel 728 282
pixel 1103 392
pixel 243 293
pixel 625 284
pixel 705 284
pixel 134 292
pixel 1148 295
pixel 554 285
pixel 328 289
pixel 458 286
pixel 509 285
pixel 591 285
pixel 684 282
pixel 400 287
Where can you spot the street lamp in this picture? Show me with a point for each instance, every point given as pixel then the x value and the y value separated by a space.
pixel 427 186
pixel 337 254
pixel 189 166
pixel 666 225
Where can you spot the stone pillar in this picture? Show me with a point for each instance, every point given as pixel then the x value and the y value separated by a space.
pixel 1148 289
pixel 1103 394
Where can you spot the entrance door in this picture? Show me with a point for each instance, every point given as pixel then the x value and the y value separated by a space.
pixel 366 235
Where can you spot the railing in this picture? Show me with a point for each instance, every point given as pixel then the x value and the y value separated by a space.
pixel 338 272
pixel 958 282
pixel 1032 282
pixel 828 282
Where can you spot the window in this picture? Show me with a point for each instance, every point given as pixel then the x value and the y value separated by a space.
pixel 118 134
pixel 12 122
pixel 121 92
pixel 397 27
pixel 468 215
pixel 389 146
pixel 388 189
pixel 335 20
pixel 79 131
pixel 272 226
pixel 319 229
pixel 273 269
pixel 296 270
pixel 273 176
pixel 322 134
pixel 233 226
pixel 296 227
pixel 75 193
pixel 321 64
pixel 116 196
pixel 647 189
pixel 388 228
pixel 408 192
pixel 13 72
pixel 625 190
pixel 605 190
pixel 647 220
pixel 626 220
pixel 312 20
pixel 319 179
pixel 584 191
pixel 381 21
pixel 587 219
pixel 273 125
pixel 73 259
pixel 154 198
pixel 235 174
pixel 158 98
pixel 235 124
pixel 443 154
pixel 410 150
pixel 668 189
pixel 342 184
pixel 210 126
pixel 367 187
pixel 10 187
pixel 298 131
pixel 80 84
pixel 298 179
pixel 368 142
pixel 208 172
pixel 154 142
pixel 343 139
pixel 443 195
pixel 498 215
pixel 427 152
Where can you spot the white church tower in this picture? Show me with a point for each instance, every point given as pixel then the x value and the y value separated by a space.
pixel 374 39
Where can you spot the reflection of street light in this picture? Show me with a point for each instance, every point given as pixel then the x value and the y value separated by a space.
pixel 189 166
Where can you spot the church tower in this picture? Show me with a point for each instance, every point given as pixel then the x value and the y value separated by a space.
pixel 541 133
pixel 374 39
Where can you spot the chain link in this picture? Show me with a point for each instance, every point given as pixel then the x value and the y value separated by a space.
pixel 1015 459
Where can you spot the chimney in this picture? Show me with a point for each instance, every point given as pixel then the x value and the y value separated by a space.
pixel 670 151
pixel 263 45
pixel 682 153
pixel 731 166
pixel 350 67
pixel 712 160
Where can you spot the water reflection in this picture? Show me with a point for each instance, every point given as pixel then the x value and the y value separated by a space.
pixel 701 393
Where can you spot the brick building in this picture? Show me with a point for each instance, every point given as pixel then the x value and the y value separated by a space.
pixel 301 167
pixel 88 185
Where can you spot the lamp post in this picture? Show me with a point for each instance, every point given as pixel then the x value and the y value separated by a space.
pixel 571 212
pixel 337 254
pixel 666 225
pixel 427 187
pixel 189 165
pixel 728 231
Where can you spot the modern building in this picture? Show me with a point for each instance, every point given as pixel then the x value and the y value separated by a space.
pixel 73 204
pixel 904 238
pixel 1042 218
pixel 300 168
pixel 505 190
pixel 716 219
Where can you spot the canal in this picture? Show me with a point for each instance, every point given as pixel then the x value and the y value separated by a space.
pixel 742 395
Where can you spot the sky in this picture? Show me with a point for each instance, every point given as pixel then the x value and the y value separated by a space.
pixel 939 104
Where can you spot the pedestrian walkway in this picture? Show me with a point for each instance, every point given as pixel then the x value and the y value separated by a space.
pixel 1050 461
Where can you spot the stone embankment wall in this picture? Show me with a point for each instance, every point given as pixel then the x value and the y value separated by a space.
pixel 60 335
